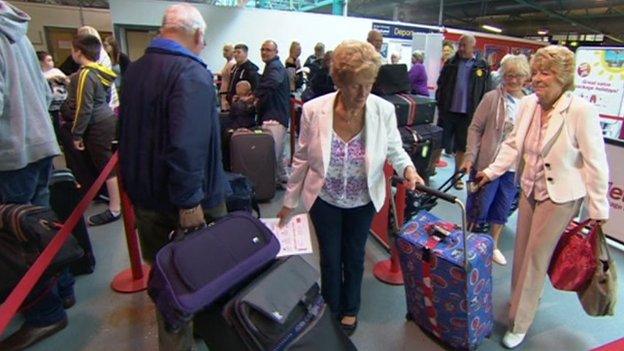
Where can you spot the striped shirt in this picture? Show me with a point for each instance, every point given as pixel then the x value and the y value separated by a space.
pixel 533 179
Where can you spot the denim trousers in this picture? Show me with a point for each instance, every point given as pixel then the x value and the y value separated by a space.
pixel 342 234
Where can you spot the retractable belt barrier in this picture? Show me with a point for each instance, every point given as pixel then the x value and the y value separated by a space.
pixel 16 298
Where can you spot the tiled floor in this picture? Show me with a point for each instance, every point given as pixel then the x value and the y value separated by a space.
pixel 105 320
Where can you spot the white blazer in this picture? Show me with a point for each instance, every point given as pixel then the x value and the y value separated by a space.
pixel 575 161
pixel 311 159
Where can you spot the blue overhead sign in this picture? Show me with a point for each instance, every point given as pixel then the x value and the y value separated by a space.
pixel 399 31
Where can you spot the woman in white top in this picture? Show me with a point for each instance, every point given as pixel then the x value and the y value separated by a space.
pixel 493 120
pixel 558 152
pixel 346 138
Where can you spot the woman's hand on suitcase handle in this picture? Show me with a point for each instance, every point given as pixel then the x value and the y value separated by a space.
pixel 482 179
pixel 466 166
pixel 284 216
pixel 412 178
pixel 192 218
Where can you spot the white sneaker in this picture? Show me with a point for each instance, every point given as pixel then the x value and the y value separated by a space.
pixel 498 257
pixel 511 340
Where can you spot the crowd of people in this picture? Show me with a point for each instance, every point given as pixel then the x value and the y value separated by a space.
pixel 163 109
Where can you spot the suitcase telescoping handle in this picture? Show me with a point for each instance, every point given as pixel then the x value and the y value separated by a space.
pixel 448 198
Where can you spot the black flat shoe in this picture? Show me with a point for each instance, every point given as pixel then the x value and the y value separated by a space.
pixel 349 329
pixel 27 336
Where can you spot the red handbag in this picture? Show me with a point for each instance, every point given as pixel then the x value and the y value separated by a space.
pixel 573 263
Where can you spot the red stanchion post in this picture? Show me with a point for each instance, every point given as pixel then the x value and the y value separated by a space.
pixel 135 278
pixel 389 271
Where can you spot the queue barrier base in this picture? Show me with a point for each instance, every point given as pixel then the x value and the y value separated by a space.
pixel 124 281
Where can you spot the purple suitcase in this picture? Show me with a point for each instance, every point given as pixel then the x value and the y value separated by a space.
pixel 190 273
pixel 435 265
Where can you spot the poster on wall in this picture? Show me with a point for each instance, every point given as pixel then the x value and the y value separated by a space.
pixel 599 78
pixel 614 227
pixel 494 54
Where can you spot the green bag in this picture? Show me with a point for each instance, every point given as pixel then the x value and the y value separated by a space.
pixel 599 297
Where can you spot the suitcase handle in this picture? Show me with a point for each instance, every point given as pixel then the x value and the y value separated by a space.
pixel 449 198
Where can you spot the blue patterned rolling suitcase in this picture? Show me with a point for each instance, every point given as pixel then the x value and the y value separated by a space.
pixel 448 289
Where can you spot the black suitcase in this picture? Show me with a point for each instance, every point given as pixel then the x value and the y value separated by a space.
pixel 433 133
pixel 64 197
pixel 252 154
pixel 425 109
pixel 392 79
pixel 419 149
pixel 404 107
pixel 282 309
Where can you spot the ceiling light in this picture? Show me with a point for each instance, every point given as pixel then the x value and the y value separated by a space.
pixel 542 32
pixel 491 28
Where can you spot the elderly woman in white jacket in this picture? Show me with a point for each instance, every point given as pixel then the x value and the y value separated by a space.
pixel 558 151
pixel 346 138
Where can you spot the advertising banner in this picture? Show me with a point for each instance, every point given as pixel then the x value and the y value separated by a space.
pixel 599 78
pixel 614 227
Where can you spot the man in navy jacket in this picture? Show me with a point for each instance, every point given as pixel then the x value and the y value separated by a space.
pixel 169 142
pixel 273 93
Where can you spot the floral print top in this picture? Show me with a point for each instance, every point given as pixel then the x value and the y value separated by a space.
pixel 346 181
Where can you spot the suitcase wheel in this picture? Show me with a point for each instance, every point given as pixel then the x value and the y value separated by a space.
pixel 408 316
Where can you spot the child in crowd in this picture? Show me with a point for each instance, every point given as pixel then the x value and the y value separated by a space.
pixel 94 121
pixel 58 84
pixel 242 110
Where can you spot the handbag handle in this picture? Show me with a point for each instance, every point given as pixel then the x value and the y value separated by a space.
pixel 592 236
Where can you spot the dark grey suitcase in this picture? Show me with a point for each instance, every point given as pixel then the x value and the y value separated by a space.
pixel 64 197
pixel 252 154
pixel 281 309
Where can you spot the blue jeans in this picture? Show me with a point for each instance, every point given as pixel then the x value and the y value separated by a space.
pixel 29 185
pixel 342 235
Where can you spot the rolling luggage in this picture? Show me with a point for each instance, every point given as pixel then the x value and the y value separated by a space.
pixel 425 109
pixel 434 134
pixel 392 79
pixel 411 109
pixel 253 155
pixel 196 269
pixel 282 309
pixel 448 277
pixel 64 197
pixel 418 148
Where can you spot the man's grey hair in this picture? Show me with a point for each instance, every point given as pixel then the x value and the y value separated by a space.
pixel 184 17
pixel 468 37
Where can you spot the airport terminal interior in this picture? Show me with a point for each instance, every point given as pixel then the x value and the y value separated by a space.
pixel 413 32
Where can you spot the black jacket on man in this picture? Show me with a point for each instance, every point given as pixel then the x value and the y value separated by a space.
pixel 273 93
pixel 477 87
pixel 169 135
pixel 246 71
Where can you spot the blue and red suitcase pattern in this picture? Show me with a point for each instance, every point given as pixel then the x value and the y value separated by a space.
pixel 438 298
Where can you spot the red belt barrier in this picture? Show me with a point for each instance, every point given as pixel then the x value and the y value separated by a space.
pixel 11 305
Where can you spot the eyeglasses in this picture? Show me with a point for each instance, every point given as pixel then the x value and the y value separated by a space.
pixel 266 49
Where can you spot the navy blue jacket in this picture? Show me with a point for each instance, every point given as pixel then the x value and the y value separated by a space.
pixel 273 93
pixel 169 141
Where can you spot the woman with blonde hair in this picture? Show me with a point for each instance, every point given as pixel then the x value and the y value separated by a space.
pixel 346 138
pixel 557 150
pixel 293 66
pixel 493 120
